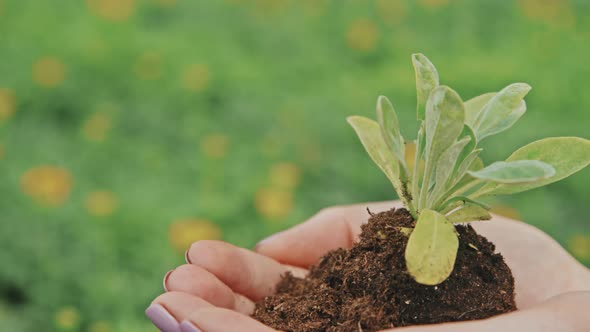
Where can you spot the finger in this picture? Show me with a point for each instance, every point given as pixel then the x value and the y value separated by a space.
pixel 245 272
pixel 561 313
pixel 170 308
pixel 221 320
pixel 521 245
pixel 331 228
pixel 195 280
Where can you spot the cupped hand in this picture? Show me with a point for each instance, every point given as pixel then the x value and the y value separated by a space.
pixel 217 288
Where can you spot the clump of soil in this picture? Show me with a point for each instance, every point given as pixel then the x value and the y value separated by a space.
pixel 367 288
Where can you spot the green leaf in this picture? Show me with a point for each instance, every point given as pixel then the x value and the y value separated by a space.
pixel 445 167
pixel 369 133
pixel 405 230
pixel 519 171
pixel 474 105
pixel 444 123
pixel 457 201
pixel 390 127
pixel 501 111
pixel 566 154
pixel 471 163
pixel 431 249
pixel 469 213
pixel 426 81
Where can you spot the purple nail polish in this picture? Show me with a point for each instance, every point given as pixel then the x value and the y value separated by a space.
pixel 162 318
pixel 187 326
pixel 165 280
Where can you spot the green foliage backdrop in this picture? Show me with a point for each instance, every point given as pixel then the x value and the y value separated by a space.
pixel 130 128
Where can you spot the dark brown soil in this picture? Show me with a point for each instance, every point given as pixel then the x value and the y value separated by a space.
pixel 367 287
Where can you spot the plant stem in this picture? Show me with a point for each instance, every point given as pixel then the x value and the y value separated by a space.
pixel 416 171
pixel 457 192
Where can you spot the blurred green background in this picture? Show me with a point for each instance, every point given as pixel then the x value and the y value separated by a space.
pixel 129 129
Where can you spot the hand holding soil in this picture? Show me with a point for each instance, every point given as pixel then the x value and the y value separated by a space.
pixel 218 289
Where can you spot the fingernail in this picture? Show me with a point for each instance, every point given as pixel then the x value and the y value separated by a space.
pixel 162 318
pixel 186 258
pixel 165 281
pixel 268 239
pixel 187 326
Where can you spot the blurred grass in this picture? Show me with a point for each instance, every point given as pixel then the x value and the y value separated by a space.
pixel 130 128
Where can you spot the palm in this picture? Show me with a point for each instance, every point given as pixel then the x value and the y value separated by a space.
pixel 224 281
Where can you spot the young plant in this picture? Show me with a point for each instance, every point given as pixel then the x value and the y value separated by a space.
pixel 447 178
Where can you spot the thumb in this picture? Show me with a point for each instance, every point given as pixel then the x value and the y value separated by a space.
pixel 329 229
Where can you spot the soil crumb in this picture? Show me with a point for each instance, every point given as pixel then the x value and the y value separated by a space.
pixel 367 288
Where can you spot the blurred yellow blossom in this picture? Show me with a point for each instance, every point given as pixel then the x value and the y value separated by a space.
pixel 101 203
pixel 97 126
pixel 47 185
pixel 112 10
pixel 148 66
pixel 433 4
pixel 48 72
pixel 392 11
pixel 505 211
pixel 362 35
pixel 284 175
pixel 273 203
pixel 196 77
pixel 7 104
pixel 555 12
pixel 100 326
pixel 579 246
pixel 215 146
pixel 184 232
pixel 67 318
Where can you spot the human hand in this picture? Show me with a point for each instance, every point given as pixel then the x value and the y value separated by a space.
pixel 217 289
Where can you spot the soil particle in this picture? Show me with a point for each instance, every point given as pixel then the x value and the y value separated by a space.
pixel 367 288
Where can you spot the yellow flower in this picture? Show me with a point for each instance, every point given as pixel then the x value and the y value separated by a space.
pixel 101 203
pixel 362 35
pixel 433 4
pixel 97 126
pixel 273 203
pixel 112 10
pixel 284 175
pixel 505 211
pixel 579 246
pixel 196 77
pixel 7 104
pixel 391 11
pixel 47 185
pixel 67 318
pixel 100 326
pixel 149 66
pixel 556 12
pixel 48 72
pixel 215 146
pixel 184 232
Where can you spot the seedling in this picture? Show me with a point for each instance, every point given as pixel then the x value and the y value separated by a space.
pixel 447 178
